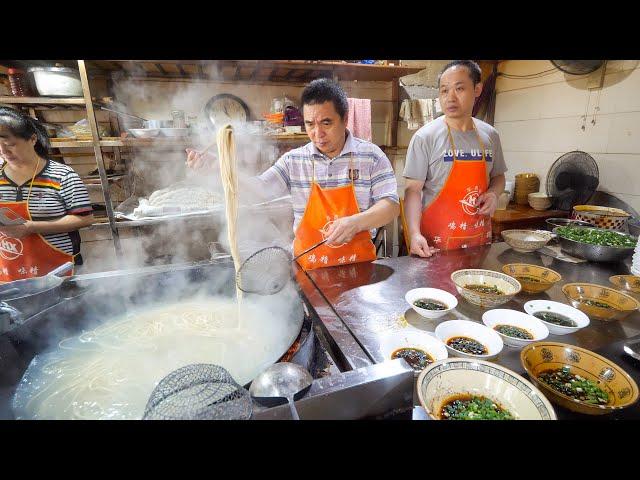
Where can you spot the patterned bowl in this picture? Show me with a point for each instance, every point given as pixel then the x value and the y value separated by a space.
pixel 541 356
pixel 534 279
pixel 509 286
pixel 626 282
pixel 615 305
pixel 525 241
pixel 455 376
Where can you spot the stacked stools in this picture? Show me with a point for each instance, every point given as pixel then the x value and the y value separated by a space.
pixel 526 183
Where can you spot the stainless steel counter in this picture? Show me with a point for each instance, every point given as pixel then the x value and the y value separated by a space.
pixel 368 298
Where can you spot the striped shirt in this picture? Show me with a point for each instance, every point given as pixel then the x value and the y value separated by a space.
pixel 57 191
pixel 374 178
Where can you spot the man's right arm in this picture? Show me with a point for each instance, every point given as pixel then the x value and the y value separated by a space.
pixel 415 174
pixel 272 183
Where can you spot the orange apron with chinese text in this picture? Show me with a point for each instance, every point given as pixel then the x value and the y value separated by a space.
pixel 30 256
pixel 323 207
pixel 451 220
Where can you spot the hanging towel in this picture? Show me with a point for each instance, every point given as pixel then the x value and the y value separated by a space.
pixel 359 121
pixel 416 112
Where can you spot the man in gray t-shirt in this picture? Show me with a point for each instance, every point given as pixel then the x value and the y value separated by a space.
pixel 430 160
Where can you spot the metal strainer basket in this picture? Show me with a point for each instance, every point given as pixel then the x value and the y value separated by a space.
pixel 268 270
pixel 199 392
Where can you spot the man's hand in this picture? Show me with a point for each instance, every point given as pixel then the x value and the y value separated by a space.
pixel 17 231
pixel 420 246
pixel 196 160
pixel 487 203
pixel 342 230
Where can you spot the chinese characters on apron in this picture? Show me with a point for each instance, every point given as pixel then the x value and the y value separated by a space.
pixel 325 205
pixel 30 256
pixel 451 220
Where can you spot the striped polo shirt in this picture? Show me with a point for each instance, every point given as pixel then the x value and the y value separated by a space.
pixel 374 178
pixel 57 191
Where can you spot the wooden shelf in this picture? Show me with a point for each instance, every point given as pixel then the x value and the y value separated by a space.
pixel 195 141
pixel 253 70
pixel 72 144
pixel 85 143
pixel 45 103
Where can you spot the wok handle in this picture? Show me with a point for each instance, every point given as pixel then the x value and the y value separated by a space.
pixel 9 316
pixel 292 407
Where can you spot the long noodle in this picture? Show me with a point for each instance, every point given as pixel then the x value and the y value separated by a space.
pixel 227 160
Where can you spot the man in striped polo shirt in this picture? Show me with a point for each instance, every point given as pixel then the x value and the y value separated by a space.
pixel 332 162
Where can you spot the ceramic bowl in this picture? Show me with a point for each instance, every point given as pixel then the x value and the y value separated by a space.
pixel 144 132
pixel 412 338
pixel 505 316
pixel 618 304
pixel 433 294
pixel 533 278
pixel 580 318
pixel 525 241
pixel 478 332
pixel 539 200
pixel 509 286
pixel 541 356
pixel 630 283
pixel 455 376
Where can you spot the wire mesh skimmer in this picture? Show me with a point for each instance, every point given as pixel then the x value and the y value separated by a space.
pixel 199 392
pixel 268 270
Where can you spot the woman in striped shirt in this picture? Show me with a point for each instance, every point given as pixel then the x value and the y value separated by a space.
pixel 47 201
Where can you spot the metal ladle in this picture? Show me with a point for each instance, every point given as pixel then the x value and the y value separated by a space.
pixel 282 380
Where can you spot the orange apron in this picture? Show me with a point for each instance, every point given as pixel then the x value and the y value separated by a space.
pixel 451 220
pixel 30 256
pixel 323 207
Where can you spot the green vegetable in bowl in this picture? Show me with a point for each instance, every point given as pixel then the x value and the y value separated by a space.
pixel 595 303
pixel 429 304
pixel 513 331
pixel 472 407
pixel 574 386
pixel 488 289
pixel 605 238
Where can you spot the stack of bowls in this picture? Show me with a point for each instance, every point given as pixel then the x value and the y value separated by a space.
pixel 539 201
pixel 526 183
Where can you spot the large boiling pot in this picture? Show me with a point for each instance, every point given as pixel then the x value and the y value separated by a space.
pixel 22 299
pixel 90 300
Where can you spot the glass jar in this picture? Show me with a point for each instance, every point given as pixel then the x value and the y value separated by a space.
pixel 178 119
pixel 18 82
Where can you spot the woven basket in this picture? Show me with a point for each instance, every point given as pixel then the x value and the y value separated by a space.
pixel 602 217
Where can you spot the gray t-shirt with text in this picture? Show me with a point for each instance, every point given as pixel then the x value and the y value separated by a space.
pixel 429 156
